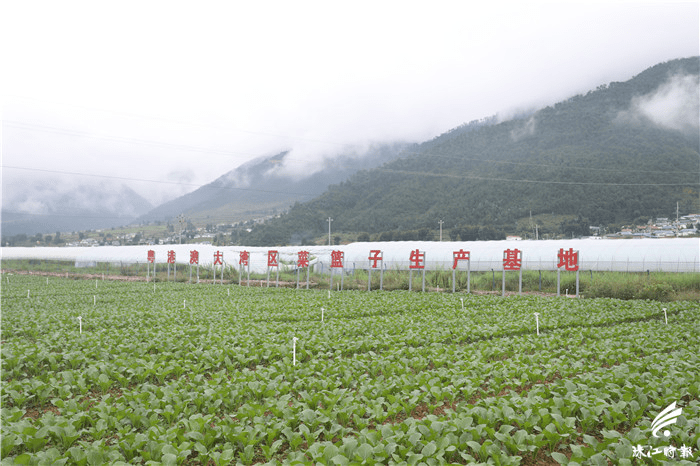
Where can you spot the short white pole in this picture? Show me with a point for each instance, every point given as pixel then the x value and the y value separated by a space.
pixel 462 299
pixel 329 294
pixel 94 300
pixel 184 303
pixel 294 351
pixel 537 322
pixel 665 316
pixel 80 323
pixel 27 293
pixel 321 315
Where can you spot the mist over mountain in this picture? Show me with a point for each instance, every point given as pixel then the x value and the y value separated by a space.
pixel 620 153
pixel 52 207
pixel 267 185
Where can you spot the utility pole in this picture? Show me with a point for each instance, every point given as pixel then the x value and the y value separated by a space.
pixel 441 222
pixel 181 221
pixel 329 230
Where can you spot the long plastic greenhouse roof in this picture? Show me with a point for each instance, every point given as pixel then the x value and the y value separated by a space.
pixel 631 255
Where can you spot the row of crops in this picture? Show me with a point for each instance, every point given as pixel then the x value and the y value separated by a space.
pixel 177 374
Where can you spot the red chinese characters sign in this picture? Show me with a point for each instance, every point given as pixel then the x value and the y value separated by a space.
pixel 171 257
pixel 218 258
pixel 568 259
pixel 243 257
pixel 417 259
pixel 194 257
pixel 512 259
pixel 375 255
pixel 303 259
pixel 459 256
pixel 151 256
pixel 273 258
pixel 337 258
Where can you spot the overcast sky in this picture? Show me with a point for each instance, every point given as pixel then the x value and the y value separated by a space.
pixel 180 93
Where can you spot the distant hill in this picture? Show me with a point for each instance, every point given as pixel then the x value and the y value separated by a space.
pixel 82 207
pixel 262 187
pixel 618 154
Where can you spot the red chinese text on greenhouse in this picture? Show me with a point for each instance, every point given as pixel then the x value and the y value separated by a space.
pixel 460 255
pixel 512 259
pixel 568 259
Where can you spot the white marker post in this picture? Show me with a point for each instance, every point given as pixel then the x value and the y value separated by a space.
pixel 321 315
pixel 462 299
pixel 94 300
pixel 665 316
pixel 184 304
pixel 537 322
pixel 294 351
pixel 27 294
pixel 80 323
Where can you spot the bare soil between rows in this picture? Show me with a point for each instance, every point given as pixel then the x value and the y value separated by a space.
pixel 253 283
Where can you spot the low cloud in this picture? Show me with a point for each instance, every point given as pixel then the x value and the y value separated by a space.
pixel 52 195
pixel 306 159
pixel 181 176
pixel 673 105
pixel 524 130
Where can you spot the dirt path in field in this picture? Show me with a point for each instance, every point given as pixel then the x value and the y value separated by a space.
pixel 136 278
pixel 75 276
pixel 253 283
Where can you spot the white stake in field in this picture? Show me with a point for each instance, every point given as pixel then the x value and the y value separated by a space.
pixel 294 351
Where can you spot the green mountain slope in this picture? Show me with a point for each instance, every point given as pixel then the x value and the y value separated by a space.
pixel 620 152
pixel 260 188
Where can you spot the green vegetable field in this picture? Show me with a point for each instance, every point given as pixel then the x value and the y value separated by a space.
pixel 205 374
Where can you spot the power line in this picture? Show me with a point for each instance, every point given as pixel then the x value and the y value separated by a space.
pixel 387 170
pixel 155 181
pixel 180 122
pixel 567 167
pixel 146 142
pixel 59 214
pixel 484 178
pixel 56 130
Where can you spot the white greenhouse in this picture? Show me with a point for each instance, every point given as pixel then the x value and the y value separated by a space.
pixel 625 255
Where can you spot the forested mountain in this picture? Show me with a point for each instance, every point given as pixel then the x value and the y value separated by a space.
pixel 617 154
pixel 263 186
